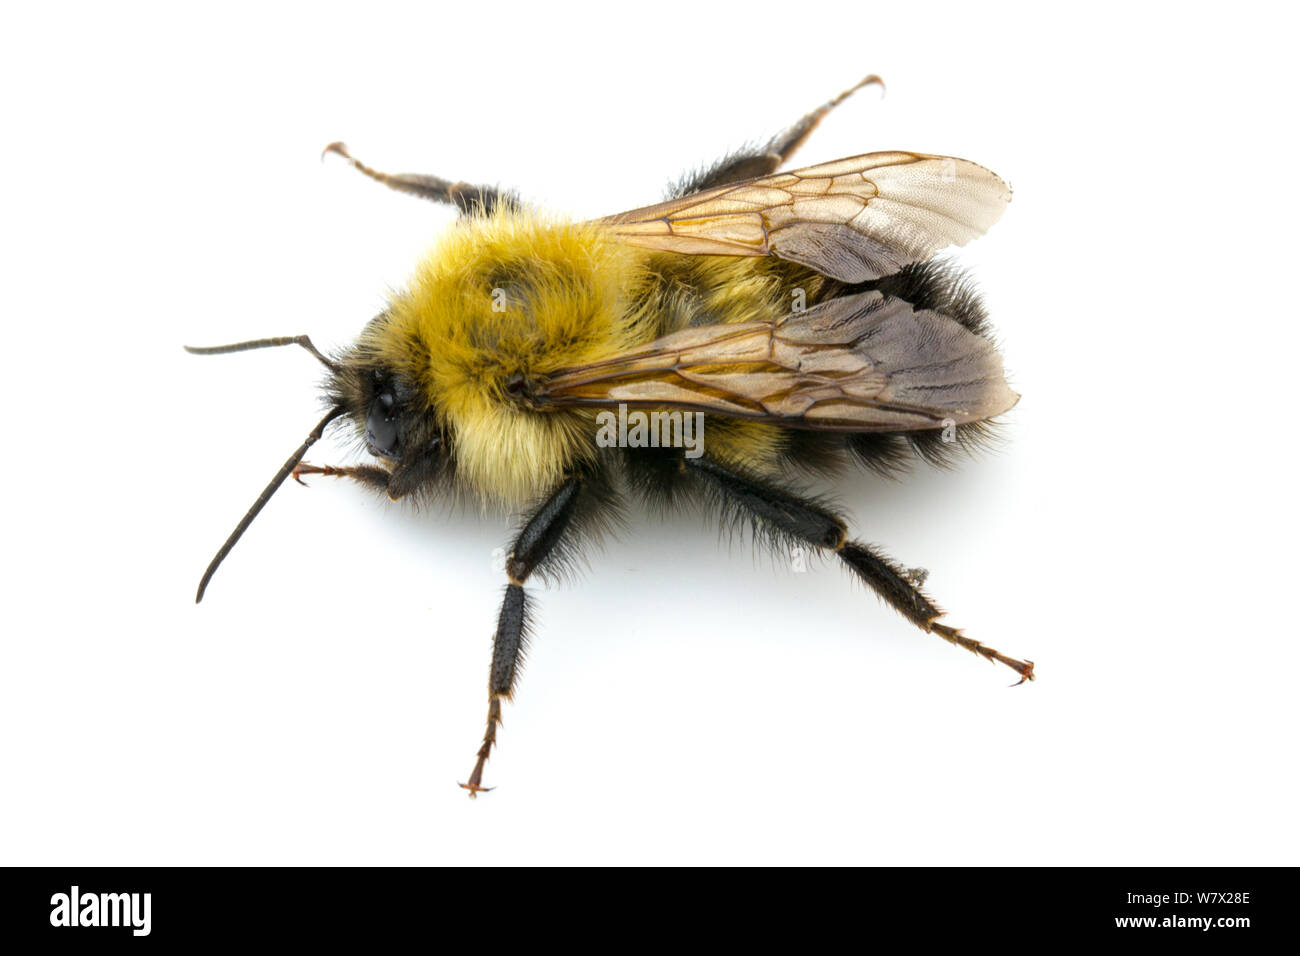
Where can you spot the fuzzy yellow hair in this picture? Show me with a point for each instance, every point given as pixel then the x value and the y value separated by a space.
pixel 516 296
pixel 511 295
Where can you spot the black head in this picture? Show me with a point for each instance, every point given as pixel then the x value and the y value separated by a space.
pixel 393 420
pixel 397 427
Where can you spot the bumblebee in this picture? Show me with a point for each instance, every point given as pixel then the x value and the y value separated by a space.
pixel 801 316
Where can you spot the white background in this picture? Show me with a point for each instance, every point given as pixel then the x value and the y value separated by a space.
pixel 684 702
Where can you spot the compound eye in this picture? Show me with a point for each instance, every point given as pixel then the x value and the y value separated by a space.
pixel 381 427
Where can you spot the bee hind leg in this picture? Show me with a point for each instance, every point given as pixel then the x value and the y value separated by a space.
pixel 466 197
pixel 768 158
pixel 783 516
pixel 785 144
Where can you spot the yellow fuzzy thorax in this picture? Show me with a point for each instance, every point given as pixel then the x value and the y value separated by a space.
pixel 511 295
pixel 519 296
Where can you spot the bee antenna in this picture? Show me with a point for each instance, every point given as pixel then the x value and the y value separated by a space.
pixel 265 496
pixel 271 343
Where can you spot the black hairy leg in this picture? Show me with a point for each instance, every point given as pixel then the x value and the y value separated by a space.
pixel 466 197
pixel 781 516
pixel 538 541
pixel 768 158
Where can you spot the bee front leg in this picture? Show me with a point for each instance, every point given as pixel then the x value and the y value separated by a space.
pixel 786 515
pixel 535 543
pixel 368 475
pixel 466 197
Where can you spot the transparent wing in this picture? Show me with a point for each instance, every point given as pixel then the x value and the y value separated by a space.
pixel 864 362
pixel 853 219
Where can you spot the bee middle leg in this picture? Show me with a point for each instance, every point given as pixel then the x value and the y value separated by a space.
pixel 768 158
pixel 466 197
pixel 787 515
pixel 535 543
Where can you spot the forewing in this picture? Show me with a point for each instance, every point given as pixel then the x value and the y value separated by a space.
pixel 864 362
pixel 853 219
